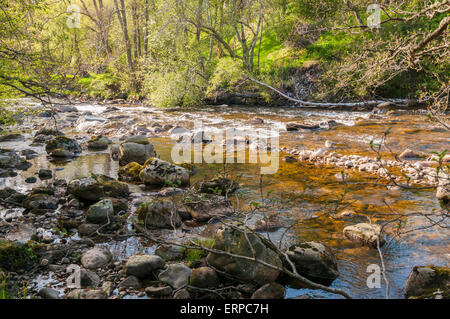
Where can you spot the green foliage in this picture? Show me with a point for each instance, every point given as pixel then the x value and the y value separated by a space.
pixel 195 255
pixel 100 85
pixel 227 74
pixel 15 256
pixel 175 88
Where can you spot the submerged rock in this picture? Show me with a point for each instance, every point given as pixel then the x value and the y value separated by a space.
pixel 234 241
pixel 160 173
pixel 365 234
pixel 269 224
pixel 428 282
pixel 159 214
pixel 62 146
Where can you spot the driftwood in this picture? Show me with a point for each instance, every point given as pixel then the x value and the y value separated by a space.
pixel 366 104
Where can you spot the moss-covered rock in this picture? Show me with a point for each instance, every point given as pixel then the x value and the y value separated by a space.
pixel 93 189
pixel 99 142
pixel 428 282
pixel 130 172
pixel 161 173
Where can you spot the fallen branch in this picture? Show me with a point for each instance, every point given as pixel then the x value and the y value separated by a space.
pixel 367 104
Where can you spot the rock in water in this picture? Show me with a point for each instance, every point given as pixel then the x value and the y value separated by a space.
pixel 234 241
pixel 101 212
pixel 96 257
pixel 98 143
pixel 161 173
pixel 176 275
pixel 62 146
pixel 428 282
pixel 135 152
pixel 143 266
pixel 365 234
pixel 313 260
pixel 159 214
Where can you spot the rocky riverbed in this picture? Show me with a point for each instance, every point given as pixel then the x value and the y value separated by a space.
pixel 99 192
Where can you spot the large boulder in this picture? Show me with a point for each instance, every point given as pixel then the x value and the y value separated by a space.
pixel 364 234
pixel 234 241
pixel 428 282
pixel 92 190
pixel 161 173
pixel 313 260
pixel 203 208
pixel 96 257
pixel 159 214
pixel 135 152
pixel 143 266
pixel 100 212
pixel 62 146
pixel 175 275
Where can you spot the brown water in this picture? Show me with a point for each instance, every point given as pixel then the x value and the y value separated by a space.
pixel 306 191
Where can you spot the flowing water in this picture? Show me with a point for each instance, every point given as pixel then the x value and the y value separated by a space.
pixel 305 190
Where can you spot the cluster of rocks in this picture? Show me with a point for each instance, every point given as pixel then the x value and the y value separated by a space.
pixel 419 172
